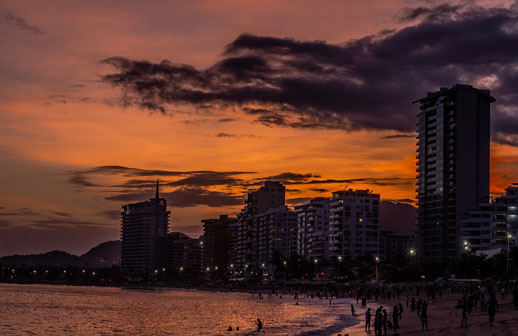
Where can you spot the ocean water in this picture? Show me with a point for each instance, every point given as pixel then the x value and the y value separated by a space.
pixel 67 310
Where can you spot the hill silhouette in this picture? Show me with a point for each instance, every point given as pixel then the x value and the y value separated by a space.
pixel 106 254
pixel 398 217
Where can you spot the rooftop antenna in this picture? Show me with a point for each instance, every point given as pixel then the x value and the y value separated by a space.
pixel 156 194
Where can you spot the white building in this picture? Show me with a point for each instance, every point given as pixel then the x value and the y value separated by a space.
pixel 354 224
pixel 313 229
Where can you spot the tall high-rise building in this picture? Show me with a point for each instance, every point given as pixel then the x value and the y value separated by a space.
pixel 270 195
pixel 276 235
pixel 216 242
pixel 453 165
pixel 354 219
pixel 143 224
pixel 313 229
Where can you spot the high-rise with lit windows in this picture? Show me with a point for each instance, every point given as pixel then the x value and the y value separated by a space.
pixel 452 165
pixel 143 224
pixel 354 220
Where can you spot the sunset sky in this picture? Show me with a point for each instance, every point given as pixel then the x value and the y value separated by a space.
pixel 98 99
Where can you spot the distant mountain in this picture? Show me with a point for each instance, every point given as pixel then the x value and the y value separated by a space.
pixel 51 259
pixel 398 217
pixel 103 255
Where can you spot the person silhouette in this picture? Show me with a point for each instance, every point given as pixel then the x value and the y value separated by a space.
pixel 492 307
pixel 368 320
pixel 259 325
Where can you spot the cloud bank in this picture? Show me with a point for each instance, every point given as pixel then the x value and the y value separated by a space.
pixel 363 84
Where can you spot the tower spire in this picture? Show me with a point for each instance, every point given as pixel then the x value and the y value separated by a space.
pixel 156 194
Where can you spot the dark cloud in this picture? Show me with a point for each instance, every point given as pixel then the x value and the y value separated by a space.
pixel 386 181
pixel 111 214
pixel 289 178
pixel 229 135
pixel 127 171
pixel 59 223
pixel 192 187
pixel 137 184
pixel 62 214
pixel 225 135
pixel 66 98
pixel 402 200
pixel 440 11
pixel 367 83
pixel 319 190
pixel 80 180
pixel 20 23
pixel 398 136
pixel 207 179
pixel 130 196
pixel 225 120
pixel 204 187
pixel 21 212
pixel 185 197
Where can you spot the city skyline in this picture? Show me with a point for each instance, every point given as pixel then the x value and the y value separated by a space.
pixel 79 138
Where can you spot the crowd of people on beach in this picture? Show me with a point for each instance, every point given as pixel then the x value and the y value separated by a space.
pixel 419 296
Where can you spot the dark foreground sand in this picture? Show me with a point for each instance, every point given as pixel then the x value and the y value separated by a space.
pixel 443 319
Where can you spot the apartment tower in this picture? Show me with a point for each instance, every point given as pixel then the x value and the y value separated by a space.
pixel 452 165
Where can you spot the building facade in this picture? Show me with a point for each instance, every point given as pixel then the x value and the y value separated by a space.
pixel 180 252
pixel 313 229
pixel 475 229
pixel 270 195
pixel 505 219
pixel 453 165
pixel 394 245
pixel 277 235
pixel 143 224
pixel 216 242
pixel 354 224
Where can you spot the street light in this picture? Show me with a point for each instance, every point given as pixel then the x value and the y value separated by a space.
pixel 316 262
pixel 466 246
pixel 509 236
pixel 377 260
pixel 412 253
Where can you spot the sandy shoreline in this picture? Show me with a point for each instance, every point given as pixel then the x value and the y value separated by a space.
pixel 443 318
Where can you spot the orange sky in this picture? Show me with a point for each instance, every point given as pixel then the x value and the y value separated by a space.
pixel 57 117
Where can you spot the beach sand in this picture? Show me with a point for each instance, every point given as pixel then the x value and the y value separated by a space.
pixel 443 318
